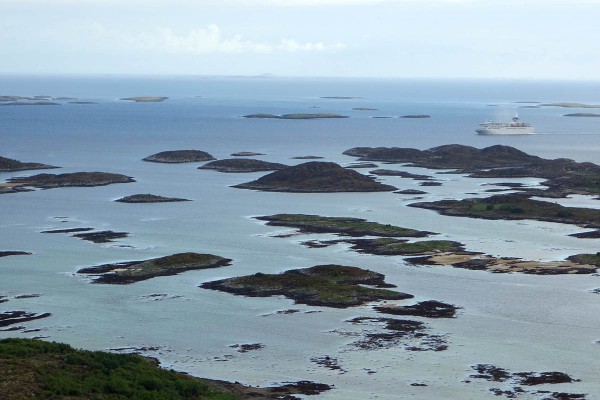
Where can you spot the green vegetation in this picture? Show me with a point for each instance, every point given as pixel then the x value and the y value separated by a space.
pixel 590 259
pixel 339 225
pixel 395 247
pixel 134 271
pixel 585 182
pixel 515 207
pixel 323 285
pixel 32 369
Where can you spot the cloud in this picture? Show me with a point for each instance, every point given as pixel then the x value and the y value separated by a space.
pixel 203 41
pixel 206 40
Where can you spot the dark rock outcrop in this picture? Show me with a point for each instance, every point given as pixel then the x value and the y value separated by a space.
pixel 13 253
pixel 428 308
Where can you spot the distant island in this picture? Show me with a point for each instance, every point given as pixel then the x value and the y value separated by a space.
pixel 295 116
pixel 145 99
pixel 246 154
pixel 30 103
pixel 307 157
pixel 340 97
pixel 316 177
pixel 364 109
pixel 323 285
pixel 179 156
pixel 8 165
pixel 582 115
pixel 148 198
pixel 571 105
pixel 242 165
pixel 416 116
pixel 135 271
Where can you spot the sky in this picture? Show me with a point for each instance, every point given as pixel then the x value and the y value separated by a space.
pixel 507 39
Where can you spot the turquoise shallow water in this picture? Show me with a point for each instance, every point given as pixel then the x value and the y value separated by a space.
pixel 519 322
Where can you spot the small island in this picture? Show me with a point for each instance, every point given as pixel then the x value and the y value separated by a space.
pixel 149 198
pixel 68 230
pixel 9 165
pixel 179 156
pixel 582 115
pixel 417 116
pixel 75 179
pixel 101 236
pixel 340 225
pixel 135 271
pixel 322 285
pixel 410 191
pixel 364 109
pixel 17 317
pixel 296 116
pixel 242 165
pixel 145 99
pixel 427 309
pixel 316 177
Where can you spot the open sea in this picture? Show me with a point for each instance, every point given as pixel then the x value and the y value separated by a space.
pixel 513 321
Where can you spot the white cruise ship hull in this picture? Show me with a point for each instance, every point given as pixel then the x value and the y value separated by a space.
pixel 521 130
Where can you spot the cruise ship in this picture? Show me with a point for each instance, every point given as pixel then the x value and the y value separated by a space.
pixel 514 127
